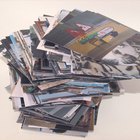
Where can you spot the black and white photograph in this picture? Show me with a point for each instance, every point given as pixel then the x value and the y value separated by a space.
pixel 126 53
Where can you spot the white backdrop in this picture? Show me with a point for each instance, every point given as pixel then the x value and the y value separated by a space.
pixel 119 117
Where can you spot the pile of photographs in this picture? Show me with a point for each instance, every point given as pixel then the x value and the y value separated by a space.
pixel 63 66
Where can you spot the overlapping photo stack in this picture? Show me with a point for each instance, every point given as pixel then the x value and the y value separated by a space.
pixel 64 65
